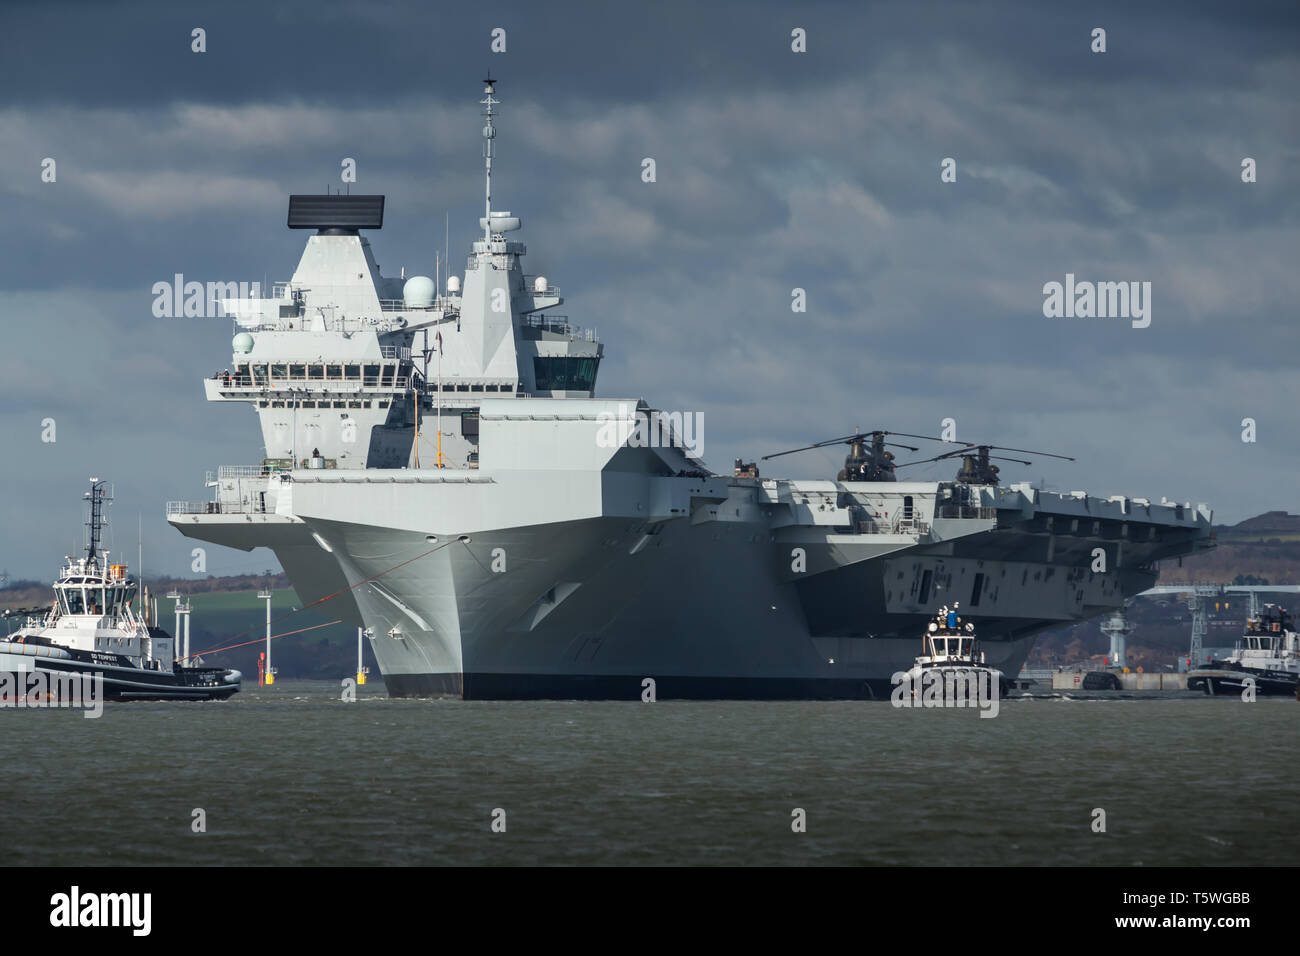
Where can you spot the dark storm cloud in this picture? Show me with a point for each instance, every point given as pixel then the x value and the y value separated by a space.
pixel 775 171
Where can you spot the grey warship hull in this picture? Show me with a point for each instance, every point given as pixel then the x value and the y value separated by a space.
pixel 710 587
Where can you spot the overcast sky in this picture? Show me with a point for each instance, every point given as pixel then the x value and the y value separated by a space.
pixel 775 170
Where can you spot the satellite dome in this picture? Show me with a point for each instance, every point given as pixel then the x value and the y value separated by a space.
pixel 418 292
pixel 540 284
pixel 453 284
pixel 242 343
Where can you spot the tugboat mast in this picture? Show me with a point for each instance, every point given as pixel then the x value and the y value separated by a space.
pixel 98 496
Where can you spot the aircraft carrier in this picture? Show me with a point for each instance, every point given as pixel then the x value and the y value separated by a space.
pixel 437 464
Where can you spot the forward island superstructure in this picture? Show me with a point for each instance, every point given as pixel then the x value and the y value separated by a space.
pixel 437 459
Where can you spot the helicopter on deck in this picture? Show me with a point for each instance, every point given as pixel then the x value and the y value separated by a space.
pixel 863 463
pixel 976 467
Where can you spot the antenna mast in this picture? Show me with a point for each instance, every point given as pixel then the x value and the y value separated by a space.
pixel 489 134
pixel 98 497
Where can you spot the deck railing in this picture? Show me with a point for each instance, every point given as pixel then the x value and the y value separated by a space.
pixel 275 383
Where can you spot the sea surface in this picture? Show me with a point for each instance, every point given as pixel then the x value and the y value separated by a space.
pixel 293 774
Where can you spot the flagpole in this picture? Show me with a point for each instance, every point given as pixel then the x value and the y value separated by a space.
pixel 416 462
pixel 439 399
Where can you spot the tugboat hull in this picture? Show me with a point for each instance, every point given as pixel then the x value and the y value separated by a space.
pixel 121 681
pixel 955 685
pixel 1230 681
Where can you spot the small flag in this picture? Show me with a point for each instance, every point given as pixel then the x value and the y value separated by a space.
pixel 439 343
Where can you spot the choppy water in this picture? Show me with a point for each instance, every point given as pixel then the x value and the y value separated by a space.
pixel 293 775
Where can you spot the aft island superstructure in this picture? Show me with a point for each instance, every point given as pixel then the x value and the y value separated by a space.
pixel 438 460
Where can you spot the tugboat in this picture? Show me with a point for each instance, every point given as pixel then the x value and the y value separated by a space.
pixel 91 630
pixel 951 660
pixel 1267 654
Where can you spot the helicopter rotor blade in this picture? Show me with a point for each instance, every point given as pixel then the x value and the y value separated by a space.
pixel 820 444
pixel 927 438
pixel 922 461
pixel 860 436
pixel 973 449
pixel 1026 451
pixel 948 454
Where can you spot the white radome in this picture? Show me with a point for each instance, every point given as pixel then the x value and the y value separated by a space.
pixel 242 343
pixel 418 292
pixel 453 284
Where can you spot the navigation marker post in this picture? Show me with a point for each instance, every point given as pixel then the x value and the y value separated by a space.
pixel 176 632
pixel 179 642
pixel 268 672
pixel 362 670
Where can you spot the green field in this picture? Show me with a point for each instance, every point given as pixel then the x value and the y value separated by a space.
pixel 220 619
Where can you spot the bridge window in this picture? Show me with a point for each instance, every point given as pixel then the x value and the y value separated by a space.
pixel 316 372
pixel 279 371
pixel 334 372
pixel 371 375
pixel 75 601
pixel 259 374
pixel 298 371
pixel 353 372
pixel 564 373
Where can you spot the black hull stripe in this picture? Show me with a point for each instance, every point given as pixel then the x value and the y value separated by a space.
pixel 1229 686
pixel 118 688
pixel 131 675
pixel 493 686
